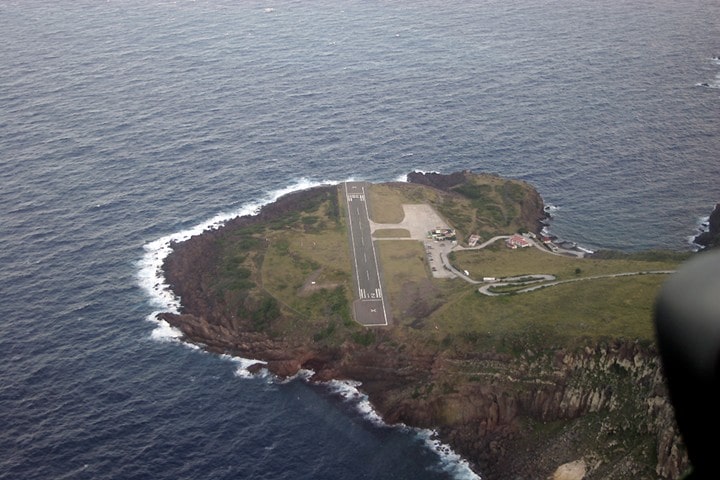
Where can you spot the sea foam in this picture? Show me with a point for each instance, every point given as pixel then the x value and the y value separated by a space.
pixel 450 462
pixel 349 391
pixel 243 365
pixel 164 332
pixel 702 225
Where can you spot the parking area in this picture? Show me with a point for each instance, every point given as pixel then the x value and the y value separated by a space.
pixel 436 253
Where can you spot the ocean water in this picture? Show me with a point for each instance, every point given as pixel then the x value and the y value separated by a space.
pixel 125 123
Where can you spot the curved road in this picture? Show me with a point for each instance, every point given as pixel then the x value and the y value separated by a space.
pixel 534 278
pixel 485 289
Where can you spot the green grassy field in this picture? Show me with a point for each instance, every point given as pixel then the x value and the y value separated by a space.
pixel 391 233
pixel 618 307
pixel 307 269
pixel 500 261
pixel 385 204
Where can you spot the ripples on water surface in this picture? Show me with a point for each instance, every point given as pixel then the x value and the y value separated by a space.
pixel 126 121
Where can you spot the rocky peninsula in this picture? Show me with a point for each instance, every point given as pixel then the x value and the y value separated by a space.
pixel 523 386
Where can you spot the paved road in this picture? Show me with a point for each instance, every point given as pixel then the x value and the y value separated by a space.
pixel 538 278
pixel 370 308
pixel 534 278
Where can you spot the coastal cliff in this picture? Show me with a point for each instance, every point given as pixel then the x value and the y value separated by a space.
pixel 515 408
pixel 711 238
pixel 596 401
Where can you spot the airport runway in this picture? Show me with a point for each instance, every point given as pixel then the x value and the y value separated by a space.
pixel 370 307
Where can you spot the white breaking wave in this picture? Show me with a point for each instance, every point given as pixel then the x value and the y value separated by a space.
pixel 702 226
pixel 403 178
pixel 450 462
pixel 703 223
pixel 302 374
pixel 348 390
pixel 164 331
pixel 243 365
pixel 713 84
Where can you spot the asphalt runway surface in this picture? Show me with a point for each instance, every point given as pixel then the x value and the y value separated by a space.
pixel 370 307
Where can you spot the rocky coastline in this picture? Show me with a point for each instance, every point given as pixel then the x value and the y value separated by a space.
pixel 711 237
pixel 518 413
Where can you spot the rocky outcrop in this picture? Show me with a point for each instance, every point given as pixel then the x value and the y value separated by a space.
pixel 532 209
pixel 711 238
pixel 440 181
pixel 605 393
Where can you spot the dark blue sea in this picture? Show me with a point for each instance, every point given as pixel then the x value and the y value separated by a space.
pixel 127 123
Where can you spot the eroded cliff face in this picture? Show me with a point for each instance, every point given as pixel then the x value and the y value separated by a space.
pixel 512 416
pixel 523 415
pixel 604 403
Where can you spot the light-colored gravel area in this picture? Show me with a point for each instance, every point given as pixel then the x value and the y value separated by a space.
pixel 419 220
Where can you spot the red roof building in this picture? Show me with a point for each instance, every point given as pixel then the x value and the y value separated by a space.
pixel 517 241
